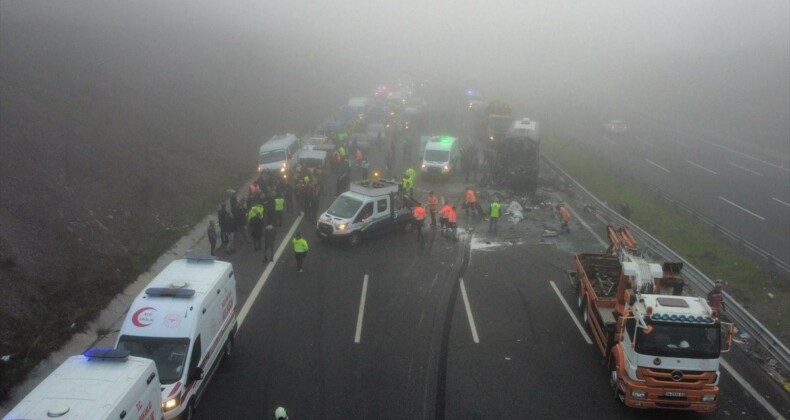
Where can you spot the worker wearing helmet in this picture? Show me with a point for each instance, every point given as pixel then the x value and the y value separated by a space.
pixel 452 222
pixel 300 250
pixel 444 215
pixel 280 414
pixel 716 296
pixel 419 220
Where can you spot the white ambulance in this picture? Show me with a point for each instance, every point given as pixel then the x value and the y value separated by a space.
pixel 101 384
pixel 441 155
pixel 184 320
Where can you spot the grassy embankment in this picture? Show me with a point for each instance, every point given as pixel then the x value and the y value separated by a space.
pixel 748 280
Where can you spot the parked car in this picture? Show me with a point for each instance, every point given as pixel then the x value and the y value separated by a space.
pixel 616 126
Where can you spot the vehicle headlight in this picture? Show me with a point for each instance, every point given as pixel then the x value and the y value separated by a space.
pixel 708 398
pixel 423 165
pixel 341 226
pixel 282 169
pixel 446 168
pixel 170 404
pixel 638 394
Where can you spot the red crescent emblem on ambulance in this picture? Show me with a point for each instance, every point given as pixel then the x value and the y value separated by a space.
pixel 145 321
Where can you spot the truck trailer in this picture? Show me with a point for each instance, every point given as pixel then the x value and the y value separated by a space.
pixel 662 347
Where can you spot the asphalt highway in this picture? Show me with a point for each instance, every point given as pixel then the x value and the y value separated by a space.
pixel 745 191
pixel 397 328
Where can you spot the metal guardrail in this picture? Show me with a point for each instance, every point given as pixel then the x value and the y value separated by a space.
pixel 764 340
pixel 743 243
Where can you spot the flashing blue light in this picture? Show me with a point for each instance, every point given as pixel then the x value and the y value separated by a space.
pixel 708 319
pixel 682 318
pixel 656 317
pixel 106 353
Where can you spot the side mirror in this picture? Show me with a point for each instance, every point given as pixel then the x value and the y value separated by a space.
pixel 196 374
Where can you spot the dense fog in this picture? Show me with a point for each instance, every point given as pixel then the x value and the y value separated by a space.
pixel 720 67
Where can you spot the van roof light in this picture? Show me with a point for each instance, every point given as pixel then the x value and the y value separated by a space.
pixel 200 258
pixel 169 292
pixel 105 353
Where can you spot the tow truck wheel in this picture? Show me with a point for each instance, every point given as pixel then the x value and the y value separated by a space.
pixel 617 393
pixel 585 314
pixel 354 239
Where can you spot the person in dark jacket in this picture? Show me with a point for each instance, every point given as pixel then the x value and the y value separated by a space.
pixel 256 229
pixel 240 219
pixel 225 220
pixel 211 232
pixel 270 235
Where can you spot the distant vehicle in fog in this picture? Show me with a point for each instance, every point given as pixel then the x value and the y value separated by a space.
pixel 616 126
pixel 279 153
pixel 313 141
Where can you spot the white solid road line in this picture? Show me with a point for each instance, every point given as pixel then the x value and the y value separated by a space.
pixel 780 201
pixel 701 167
pixel 658 166
pixel 753 392
pixel 360 314
pixel 640 139
pixel 741 208
pixel 469 313
pixel 744 169
pixel 762 401
pixel 265 276
pixel 570 312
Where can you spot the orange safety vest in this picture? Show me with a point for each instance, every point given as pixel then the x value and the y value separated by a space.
pixel 419 213
pixel 444 213
pixel 470 196
pixel 566 215
pixel 433 202
pixel 452 217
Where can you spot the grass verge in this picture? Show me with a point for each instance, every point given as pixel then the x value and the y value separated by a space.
pixel 748 280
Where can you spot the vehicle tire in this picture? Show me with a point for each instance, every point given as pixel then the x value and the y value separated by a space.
pixel 189 413
pixel 617 394
pixel 585 314
pixel 355 239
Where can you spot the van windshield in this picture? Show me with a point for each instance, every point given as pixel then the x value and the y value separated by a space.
pixel 678 340
pixel 271 156
pixel 344 207
pixel 437 155
pixel 169 354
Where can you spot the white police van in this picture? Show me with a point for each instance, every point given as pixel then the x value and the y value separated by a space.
pixel 184 320
pixel 101 384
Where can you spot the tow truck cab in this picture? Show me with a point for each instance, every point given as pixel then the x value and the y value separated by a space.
pixel 368 208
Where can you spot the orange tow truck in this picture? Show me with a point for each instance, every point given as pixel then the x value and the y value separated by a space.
pixel 663 348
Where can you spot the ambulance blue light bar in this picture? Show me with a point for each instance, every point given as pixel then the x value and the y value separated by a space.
pixel 105 353
pixel 169 292
pixel 200 258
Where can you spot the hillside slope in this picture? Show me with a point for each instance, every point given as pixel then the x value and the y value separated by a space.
pixel 110 146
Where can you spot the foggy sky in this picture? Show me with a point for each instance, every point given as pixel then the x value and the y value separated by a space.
pixel 547 49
